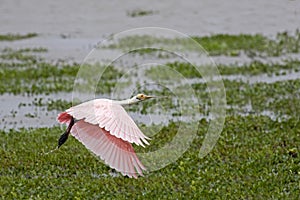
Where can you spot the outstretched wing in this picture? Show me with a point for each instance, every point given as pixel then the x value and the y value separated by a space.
pixel 115 152
pixel 110 116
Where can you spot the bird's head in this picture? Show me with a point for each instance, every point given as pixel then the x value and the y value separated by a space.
pixel 139 97
pixel 142 97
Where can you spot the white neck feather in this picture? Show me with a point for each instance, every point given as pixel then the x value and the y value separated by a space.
pixel 126 101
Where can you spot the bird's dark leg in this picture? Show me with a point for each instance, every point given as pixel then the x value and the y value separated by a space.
pixel 63 138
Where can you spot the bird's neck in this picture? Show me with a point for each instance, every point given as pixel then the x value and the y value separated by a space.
pixel 125 102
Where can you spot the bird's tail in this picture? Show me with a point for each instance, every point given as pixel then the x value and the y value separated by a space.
pixel 68 119
pixel 63 138
pixel 64 118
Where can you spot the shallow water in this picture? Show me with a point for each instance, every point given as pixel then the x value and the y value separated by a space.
pixel 73 34
pixel 97 19
pixel 19 111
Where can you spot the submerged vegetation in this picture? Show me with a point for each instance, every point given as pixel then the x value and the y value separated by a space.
pixel 256 157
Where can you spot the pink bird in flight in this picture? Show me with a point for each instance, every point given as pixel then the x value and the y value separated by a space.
pixel 104 127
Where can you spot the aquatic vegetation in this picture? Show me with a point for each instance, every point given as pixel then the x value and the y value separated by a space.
pixel 188 70
pixel 256 156
pixel 39 78
pixel 9 55
pixel 232 44
pixel 219 44
pixel 280 98
pixel 12 37
pixel 257 67
pixel 23 73
pixel 252 45
pixel 253 154
pixel 23 50
pixel 140 13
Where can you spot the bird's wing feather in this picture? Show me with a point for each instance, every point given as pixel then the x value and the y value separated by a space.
pixel 110 116
pixel 115 152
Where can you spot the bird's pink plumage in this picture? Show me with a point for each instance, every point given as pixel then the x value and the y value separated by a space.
pixel 107 130
pixel 109 148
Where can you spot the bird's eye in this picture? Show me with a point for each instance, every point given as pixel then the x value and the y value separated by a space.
pixel 140 97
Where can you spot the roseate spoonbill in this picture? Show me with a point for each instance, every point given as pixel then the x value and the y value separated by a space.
pixel 104 127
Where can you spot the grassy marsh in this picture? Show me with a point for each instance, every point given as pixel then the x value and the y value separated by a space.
pixel 220 44
pixel 251 69
pixel 23 72
pixel 256 157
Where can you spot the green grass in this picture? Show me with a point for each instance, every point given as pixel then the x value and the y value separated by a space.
pixel 38 78
pixel 23 72
pixel 257 67
pixel 21 55
pixel 219 44
pixel 47 78
pixel 13 37
pixel 187 70
pixel 255 158
pixel 280 97
pixel 50 104
pixel 232 44
pixel 252 45
pixel 140 13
